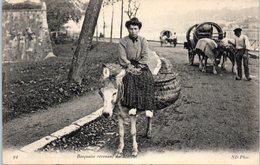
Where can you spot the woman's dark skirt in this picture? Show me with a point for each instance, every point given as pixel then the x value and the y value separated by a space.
pixel 139 90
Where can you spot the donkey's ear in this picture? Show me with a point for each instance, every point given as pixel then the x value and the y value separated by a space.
pixel 112 77
pixel 104 65
pixel 100 92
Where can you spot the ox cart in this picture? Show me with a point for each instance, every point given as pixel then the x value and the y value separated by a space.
pixel 166 37
pixel 196 32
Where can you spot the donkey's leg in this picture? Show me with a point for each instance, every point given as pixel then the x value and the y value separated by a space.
pixel 149 128
pixel 205 64
pixel 200 61
pixel 133 133
pixel 233 61
pixel 191 56
pixel 233 69
pixel 119 151
pixel 214 67
pixel 223 65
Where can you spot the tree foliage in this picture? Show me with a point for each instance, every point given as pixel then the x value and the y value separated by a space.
pixel 21 5
pixel 60 12
pixel 110 2
pixel 132 8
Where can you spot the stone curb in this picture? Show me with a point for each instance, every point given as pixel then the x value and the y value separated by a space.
pixel 62 132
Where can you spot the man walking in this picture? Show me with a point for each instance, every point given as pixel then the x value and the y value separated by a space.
pixel 242 46
pixel 174 39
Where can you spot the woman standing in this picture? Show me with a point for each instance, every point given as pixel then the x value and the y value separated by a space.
pixel 138 82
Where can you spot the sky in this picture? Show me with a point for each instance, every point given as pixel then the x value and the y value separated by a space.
pixel 158 15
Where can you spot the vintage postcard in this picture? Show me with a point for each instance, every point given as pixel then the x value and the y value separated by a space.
pixel 130 82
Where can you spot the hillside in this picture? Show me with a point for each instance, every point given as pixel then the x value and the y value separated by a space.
pixel 225 14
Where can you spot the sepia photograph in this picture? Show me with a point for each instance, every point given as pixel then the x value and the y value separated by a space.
pixel 130 82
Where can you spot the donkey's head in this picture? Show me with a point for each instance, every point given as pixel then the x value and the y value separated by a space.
pixel 218 50
pixel 109 96
pixel 111 92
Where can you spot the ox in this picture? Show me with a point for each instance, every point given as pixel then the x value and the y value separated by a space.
pixel 228 51
pixel 207 48
pixel 215 50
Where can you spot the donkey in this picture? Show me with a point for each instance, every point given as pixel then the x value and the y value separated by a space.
pixel 217 50
pixel 112 94
pixel 228 51
pixel 207 48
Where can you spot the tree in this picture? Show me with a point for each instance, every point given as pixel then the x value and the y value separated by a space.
pixel 85 41
pixel 122 18
pixel 60 12
pixel 133 6
pixel 110 3
pixel 112 21
pixel 104 22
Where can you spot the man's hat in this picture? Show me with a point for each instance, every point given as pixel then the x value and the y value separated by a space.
pixel 133 21
pixel 237 30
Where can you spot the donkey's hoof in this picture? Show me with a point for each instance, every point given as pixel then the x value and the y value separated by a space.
pixel 134 153
pixel 234 71
pixel 204 70
pixel 148 135
pixel 215 72
pixel 119 154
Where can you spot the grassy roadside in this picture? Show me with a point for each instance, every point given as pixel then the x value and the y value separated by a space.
pixel 29 87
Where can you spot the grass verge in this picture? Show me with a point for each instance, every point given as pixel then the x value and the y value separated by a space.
pixel 29 86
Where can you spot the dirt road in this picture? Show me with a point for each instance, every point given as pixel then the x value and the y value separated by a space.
pixel 216 113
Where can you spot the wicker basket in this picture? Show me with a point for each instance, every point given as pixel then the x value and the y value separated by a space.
pixel 167 85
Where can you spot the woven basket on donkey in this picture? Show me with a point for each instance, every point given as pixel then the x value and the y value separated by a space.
pixel 167 85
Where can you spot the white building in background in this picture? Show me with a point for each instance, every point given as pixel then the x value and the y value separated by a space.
pixel 25 33
pixel 72 28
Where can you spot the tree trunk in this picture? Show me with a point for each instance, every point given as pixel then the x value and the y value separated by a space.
pixel 104 22
pixel 122 17
pixel 112 21
pixel 97 33
pixel 85 41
